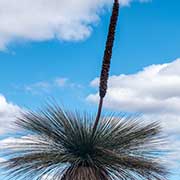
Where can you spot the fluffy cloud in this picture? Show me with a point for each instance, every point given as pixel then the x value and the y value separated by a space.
pixel 8 114
pixel 154 91
pixel 39 20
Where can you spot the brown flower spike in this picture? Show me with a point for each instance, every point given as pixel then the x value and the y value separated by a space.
pixel 107 59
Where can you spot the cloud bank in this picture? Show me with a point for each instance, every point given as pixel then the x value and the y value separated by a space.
pixel 154 91
pixel 40 20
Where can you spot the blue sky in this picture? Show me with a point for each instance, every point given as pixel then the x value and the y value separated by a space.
pixel 35 68
pixel 147 34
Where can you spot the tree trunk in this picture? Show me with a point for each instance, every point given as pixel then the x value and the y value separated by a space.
pixel 85 173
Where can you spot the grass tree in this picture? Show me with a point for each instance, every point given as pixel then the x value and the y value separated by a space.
pixel 64 145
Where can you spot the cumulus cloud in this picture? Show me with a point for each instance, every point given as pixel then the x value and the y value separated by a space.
pixel 8 114
pixel 154 91
pixel 39 20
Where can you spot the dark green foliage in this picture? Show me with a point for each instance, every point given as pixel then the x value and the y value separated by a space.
pixel 60 146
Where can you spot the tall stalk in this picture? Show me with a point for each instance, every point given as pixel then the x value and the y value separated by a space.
pixel 107 61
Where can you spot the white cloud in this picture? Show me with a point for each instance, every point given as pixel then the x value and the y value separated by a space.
pixel 155 89
pixel 39 20
pixel 154 92
pixel 8 114
pixel 40 87
pixel 65 82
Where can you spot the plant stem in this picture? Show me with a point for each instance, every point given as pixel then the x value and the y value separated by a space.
pixel 107 61
pixel 98 115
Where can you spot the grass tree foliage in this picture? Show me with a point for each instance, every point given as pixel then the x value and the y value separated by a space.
pixel 63 145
